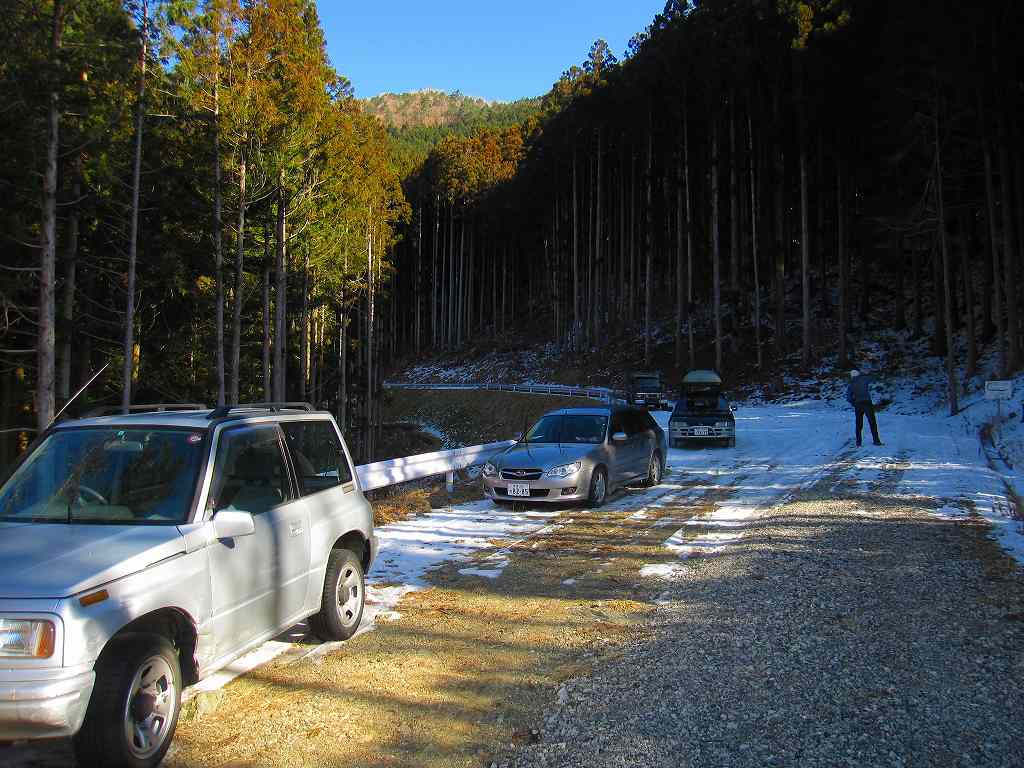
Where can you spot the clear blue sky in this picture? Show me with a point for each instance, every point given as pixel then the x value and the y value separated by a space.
pixel 497 50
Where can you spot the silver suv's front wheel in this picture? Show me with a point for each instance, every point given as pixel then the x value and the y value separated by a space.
pixel 134 707
pixel 341 607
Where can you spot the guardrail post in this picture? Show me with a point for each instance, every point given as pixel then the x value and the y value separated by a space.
pixel 449 481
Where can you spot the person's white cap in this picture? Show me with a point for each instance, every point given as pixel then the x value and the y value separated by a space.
pixel 854 373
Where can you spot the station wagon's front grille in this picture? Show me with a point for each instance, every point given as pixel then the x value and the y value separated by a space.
pixel 521 474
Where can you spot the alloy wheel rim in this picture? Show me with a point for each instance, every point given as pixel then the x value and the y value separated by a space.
pixel 654 473
pixel 150 708
pixel 350 595
pixel 599 489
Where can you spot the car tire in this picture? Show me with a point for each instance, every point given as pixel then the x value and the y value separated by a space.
pixel 598 488
pixel 653 470
pixel 732 442
pixel 341 607
pixel 134 706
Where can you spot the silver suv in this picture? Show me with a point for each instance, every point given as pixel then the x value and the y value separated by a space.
pixel 140 553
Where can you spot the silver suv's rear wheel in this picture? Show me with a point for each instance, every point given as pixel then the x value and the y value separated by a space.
pixel 341 607
pixel 134 707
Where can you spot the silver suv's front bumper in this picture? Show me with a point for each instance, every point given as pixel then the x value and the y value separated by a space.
pixel 43 708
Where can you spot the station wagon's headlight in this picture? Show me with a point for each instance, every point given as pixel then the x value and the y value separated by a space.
pixel 565 470
pixel 722 424
pixel 490 470
pixel 26 638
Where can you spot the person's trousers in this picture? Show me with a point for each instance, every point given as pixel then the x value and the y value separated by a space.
pixel 866 409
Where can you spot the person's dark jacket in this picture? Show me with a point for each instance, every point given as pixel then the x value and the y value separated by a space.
pixel 859 390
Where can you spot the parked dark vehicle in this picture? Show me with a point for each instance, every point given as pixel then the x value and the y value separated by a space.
pixel 702 412
pixel 645 390
pixel 580 455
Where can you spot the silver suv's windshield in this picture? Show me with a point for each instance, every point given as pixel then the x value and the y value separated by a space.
pixel 109 475
pixel 577 428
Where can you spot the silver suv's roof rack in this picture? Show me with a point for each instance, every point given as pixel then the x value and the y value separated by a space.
pixel 114 410
pixel 225 410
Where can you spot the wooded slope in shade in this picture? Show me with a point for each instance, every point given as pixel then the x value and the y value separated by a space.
pixel 741 149
pixel 193 195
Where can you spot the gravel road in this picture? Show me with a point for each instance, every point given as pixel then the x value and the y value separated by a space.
pixel 845 629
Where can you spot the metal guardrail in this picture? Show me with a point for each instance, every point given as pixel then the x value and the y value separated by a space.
pixel 381 474
pixel 604 394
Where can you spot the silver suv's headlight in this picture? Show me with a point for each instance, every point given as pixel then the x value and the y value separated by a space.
pixel 565 470
pixel 490 470
pixel 27 638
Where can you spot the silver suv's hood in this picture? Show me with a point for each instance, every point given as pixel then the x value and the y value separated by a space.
pixel 543 455
pixel 53 560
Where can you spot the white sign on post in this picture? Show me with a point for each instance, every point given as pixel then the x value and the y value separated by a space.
pixel 998 390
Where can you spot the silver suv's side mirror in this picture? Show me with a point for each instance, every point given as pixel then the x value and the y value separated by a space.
pixel 620 437
pixel 228 523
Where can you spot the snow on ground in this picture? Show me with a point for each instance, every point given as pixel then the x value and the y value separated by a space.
pixel 410 548
pixel 937 460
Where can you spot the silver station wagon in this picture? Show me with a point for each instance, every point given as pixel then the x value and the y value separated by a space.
pixel 140 553
pixel 578 454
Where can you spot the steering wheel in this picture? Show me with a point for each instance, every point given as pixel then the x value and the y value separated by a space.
pixel 93 493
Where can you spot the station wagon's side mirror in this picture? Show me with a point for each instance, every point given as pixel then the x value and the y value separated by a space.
pixel 229 523
pixel 620 437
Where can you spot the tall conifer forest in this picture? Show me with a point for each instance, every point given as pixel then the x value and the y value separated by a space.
pixel 193 197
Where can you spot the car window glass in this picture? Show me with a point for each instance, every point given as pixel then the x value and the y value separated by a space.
pixel 249 474
pixel 571 428
pixel 634 423
pixel 107 475
pixel 319 460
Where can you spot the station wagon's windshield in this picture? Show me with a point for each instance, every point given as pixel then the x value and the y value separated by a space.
pixel 568 429
pixel 106 475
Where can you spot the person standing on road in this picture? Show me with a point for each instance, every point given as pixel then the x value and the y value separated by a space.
pixel 858 393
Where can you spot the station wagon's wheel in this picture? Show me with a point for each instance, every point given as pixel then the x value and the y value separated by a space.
pixel 341 607
pixel 134 706
pixel 598 488
pixel 653 470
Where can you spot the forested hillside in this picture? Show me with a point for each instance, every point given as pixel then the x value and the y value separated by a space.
pixel 854 150
pixel 193 196
pixel 418 121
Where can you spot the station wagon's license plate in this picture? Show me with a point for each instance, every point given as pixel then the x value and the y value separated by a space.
pixel 519 489
pixel 701 431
